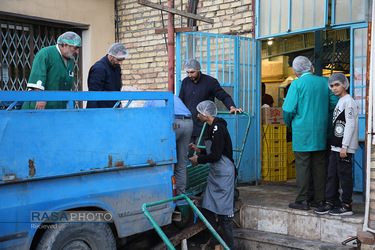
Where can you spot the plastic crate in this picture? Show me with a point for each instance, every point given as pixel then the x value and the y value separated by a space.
pixel 274 132
pixel 274 160
pixel 274 146
pixel 291 170
pixel 274 174
pixel 290 153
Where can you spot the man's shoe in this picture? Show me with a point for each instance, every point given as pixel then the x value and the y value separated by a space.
pixel 302 205
pixel 342 210
pixel 324 209
pixel 316 204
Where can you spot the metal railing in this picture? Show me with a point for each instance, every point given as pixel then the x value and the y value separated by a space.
pixel 195 209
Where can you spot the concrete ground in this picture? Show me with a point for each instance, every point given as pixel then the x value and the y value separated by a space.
pixel 280 194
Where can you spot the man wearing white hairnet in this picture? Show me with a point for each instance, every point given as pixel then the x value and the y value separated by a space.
pixel 306 110
pixel 219 195
pixel 53 70
pixel 105 74
pixel 198 87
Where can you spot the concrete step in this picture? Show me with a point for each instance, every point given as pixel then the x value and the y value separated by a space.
pixel 265 208
pixel 253 239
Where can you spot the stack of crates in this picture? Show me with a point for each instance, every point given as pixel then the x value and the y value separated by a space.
pixel 274 153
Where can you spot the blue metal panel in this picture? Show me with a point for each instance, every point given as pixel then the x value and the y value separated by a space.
pixel 49 143
pixel 360 15
pixel 235 60
pixel 359 168
pixel 358 80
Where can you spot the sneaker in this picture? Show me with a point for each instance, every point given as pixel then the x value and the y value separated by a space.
pixel 316 204
pixel 324 209
pixel 302 205
pixel 342 210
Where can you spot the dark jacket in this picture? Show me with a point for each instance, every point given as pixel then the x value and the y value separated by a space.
pixel 103 77
pixel 221 143
pixel 207 88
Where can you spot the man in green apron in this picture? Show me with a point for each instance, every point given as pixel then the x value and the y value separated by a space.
pixel 219 195
pixel 53 70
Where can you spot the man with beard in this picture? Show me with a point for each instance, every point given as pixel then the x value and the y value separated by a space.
pixel 198 87
pixel 53 70
pixel 105 74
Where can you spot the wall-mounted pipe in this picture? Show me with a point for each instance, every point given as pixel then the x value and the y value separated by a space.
pixel 171 52
pixel 370 130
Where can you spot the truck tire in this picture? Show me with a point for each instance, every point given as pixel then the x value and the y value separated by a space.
pixel 186 220
pixel 64 236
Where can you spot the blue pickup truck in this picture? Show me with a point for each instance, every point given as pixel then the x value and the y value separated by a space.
pixel 77 178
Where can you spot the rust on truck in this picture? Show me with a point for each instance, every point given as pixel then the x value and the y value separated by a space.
pixel 32 169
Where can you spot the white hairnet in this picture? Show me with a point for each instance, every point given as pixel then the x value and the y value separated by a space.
pixel 301 64
pixel 340 78
pixel 118 50
pixel 192 65
pixel 70 38
pixel 207 108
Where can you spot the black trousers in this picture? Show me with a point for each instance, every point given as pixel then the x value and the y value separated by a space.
pixel 225 223
pixel 340 172
pixel 314 160
pixel 311 183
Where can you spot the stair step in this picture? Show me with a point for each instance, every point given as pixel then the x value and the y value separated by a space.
pixel 254 239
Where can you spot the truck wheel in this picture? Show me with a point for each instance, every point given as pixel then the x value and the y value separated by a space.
pixel 66 236
pixel 186 220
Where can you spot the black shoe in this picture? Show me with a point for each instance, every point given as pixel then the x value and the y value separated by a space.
pixel 324 209
pixel 342 210
pixel 302 205
pixel 316 204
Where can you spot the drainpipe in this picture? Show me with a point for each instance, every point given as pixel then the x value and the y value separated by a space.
pixel 171 51
pixel 117 24
pixel 369 125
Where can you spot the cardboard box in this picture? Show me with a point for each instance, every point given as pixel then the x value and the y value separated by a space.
pixel 272 116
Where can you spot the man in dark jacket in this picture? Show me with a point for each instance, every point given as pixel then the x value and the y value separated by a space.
pixel 105 74
pixel 198 87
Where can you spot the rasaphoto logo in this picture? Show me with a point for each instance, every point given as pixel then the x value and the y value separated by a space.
pixel 70 216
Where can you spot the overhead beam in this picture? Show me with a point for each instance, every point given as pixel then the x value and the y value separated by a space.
pixel 174 11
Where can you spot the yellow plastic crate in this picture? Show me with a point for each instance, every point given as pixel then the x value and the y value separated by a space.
pixel 274 146
pixel 291 170
pixel 290 153
pixel 274 174
pixel 269 158
pixel 274 132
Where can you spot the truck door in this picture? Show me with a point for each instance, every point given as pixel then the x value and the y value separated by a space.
pixel 233 61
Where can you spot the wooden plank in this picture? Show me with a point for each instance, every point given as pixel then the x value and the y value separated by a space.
pixel 182 29
pixel 175 11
